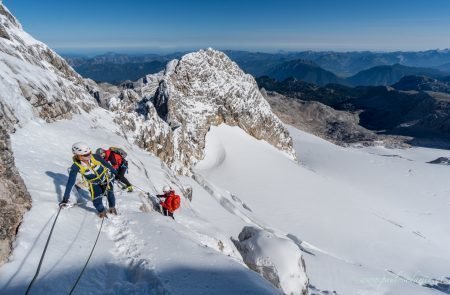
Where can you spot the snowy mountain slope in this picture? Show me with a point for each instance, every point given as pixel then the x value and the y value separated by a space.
pixel 138 252
pixel 375 221
pixel 378 227
pixel 35 83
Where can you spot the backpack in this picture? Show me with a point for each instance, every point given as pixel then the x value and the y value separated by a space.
pixel 176 202
pixel 119 151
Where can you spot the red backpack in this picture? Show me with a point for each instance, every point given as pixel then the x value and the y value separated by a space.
pixel 176 202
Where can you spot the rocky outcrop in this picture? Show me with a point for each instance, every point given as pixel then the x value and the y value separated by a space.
pixel 14 198
pixel 441 160
pixel 416 117
pixel 169 113
pixel 31 70
pixel 340 127
pixel 35 84
pixel 277 259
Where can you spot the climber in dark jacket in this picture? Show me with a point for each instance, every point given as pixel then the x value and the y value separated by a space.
pixel 97 173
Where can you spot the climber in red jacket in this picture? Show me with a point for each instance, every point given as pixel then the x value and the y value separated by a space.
pixel 116 156
pixel 171 201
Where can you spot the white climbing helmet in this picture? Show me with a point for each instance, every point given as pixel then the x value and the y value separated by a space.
pixel 80 148
pixel 166 189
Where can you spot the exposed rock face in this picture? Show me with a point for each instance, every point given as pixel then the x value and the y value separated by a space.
pixel 14 198
pixel 441 160
pixel 340 127
pixel 417 117
pixel 277 259
pixel 170 113
pixel 31 70
pixel 35 83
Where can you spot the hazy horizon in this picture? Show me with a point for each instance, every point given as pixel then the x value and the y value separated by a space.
pixel 138 52
pixel 265 26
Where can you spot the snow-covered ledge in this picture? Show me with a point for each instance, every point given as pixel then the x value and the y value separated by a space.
pixel 277 259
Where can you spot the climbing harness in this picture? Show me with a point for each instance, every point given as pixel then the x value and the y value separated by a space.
pixel 100 178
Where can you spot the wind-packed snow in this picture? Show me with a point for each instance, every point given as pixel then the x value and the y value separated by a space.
pixel 138 252
pixel 370 221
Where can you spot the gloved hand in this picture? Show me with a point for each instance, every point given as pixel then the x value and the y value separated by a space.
pixel 63 203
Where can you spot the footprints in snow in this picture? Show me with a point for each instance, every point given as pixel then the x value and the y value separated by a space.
pixel 137 271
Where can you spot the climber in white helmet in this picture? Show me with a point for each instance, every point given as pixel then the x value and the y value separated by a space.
pixel 169 201
pixel 98 175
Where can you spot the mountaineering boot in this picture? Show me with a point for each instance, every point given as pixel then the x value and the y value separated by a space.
pixel 130 189
pixel 102 214
pixel 113 211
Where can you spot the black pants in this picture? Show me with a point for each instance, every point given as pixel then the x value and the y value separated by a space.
pixel 167 213
pixel 121 176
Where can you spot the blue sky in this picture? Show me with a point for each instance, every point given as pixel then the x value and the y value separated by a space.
pixel 266 25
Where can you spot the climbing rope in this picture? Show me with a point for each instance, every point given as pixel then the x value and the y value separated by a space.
pixel 87 261
pixel 43 254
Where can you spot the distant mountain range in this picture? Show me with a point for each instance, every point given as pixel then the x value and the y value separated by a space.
pixel 309 72
pixel 410 107
pixel 117 73
pixel 444 67
pixel 116 68
pixel 388 75
pixel 343 64
pixel 304 70
pixel 421 83
pixel 321 68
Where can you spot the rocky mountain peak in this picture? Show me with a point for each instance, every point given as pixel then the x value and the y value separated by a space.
pixel 201 90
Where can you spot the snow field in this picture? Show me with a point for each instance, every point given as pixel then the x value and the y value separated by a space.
pixel 367 219
pixel 138 252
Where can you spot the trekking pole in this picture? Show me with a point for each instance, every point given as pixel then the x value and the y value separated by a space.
pixel 87 261
pixel 43 253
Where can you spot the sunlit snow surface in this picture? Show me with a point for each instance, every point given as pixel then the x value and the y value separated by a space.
pixel 374 220
pixel 369 221
pixel 138 252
